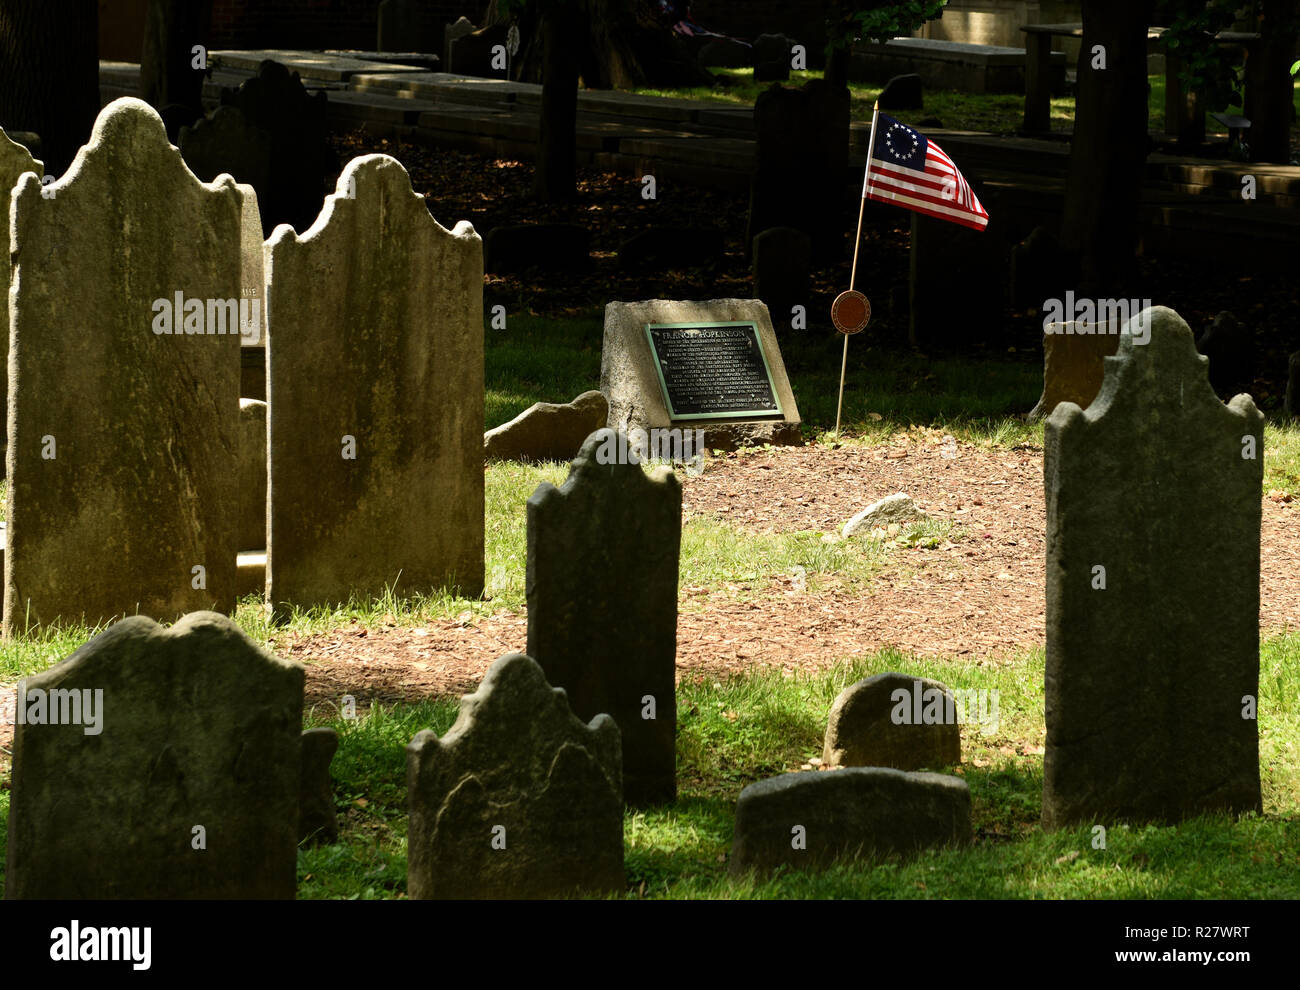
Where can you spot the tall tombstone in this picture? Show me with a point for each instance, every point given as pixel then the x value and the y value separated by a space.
pixel 123 384
pixel 375 397
pixel 158 763
pixel 1153 520
pixel 15 160
pixel 519 799
pixel 602 602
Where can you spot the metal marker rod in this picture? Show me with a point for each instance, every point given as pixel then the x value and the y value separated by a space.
pixel 857 243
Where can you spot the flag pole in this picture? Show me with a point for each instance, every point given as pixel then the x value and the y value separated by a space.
pixel 853 272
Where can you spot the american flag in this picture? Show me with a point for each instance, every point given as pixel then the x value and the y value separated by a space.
pixel 910 170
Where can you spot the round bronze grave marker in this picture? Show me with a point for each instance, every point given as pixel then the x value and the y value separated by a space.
pixel 850 311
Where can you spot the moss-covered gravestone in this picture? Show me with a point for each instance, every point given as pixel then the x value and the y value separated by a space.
pixel 15 159
pixel 519 799
pixel 158 763
pixel 602 602
pixel 375 397
pixel 123 384
pixel 1153 517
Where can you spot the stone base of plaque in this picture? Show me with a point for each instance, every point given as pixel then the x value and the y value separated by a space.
pixel 630 376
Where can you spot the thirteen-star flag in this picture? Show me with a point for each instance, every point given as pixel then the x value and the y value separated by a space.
pixel 911 171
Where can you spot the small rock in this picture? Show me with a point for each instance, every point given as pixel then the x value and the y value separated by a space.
pixel 897 508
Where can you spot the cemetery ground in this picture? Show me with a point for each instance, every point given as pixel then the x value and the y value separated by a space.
pixel 775 619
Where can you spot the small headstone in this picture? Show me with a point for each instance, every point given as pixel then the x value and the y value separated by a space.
pixel 556 247
pixel 773 48
pixel 251 454
pixel 183 784
pixel 896 508
pixel 671 249
pixel 375 374
pixel 902 93
pixel 15 159
pixel 781 268
pixel 453 32
pixel 518 800
pixel 629 375
pixel 812 820
pixel 1230 346
pixel 1152 656
pixel 317 818
pixel 602 603
pixel 725 53
pixel 136 315
pixel 893 720
pixel 547 431
pixel 1073 355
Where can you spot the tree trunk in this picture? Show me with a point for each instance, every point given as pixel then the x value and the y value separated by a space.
pixel 556 173
pixel 167 74
pixel 1109 149
pixel 1269 92
pixel 49 74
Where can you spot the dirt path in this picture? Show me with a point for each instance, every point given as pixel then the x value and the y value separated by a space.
pixel 979 595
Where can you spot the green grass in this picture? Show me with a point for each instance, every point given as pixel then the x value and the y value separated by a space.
pixel 998 113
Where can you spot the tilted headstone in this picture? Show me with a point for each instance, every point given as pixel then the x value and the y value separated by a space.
pixel 124 384
pixel 519 799
pixel 812 820
pixel 548 431
pixel 894 720
pixel 375 396
pixel 451 33
pixel 1073 353
pixel 15 159
pixel 602 602
pixel 1153 522
pixel 158 763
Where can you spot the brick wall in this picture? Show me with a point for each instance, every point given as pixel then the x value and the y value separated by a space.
pixel 317 24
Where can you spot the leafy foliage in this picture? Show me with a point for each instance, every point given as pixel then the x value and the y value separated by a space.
pixel 1207 67
pixel 879 19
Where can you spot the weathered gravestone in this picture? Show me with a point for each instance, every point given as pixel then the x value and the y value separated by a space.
pixel 252 269
pixel 800 165
pixel 228 142
pixel 1073 353
pixel 375 367
pixel 451 33
pixel 251 452
pixel 602 603
pixel 1153 517
pixel 518 800
pixel 730 380
pixel 1230 346
pixel 812 820
pixel 124 384
pixel 172 773
pixel 15 159
pixel 893 720
pixel 471 54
